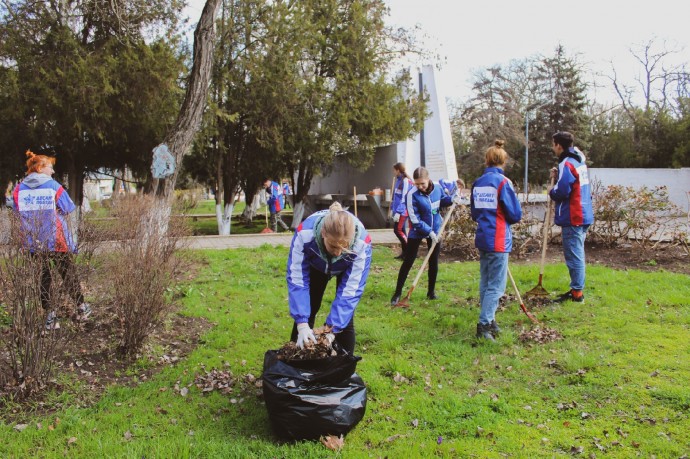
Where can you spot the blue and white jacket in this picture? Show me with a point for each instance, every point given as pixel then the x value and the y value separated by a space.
pixel 572 193
pixel 307 252
pixel 43 204
pixel 494 207
pixel 276 200
pixel 423 210
pixel 400 190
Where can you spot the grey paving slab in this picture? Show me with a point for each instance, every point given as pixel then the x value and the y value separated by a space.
pixel 383 236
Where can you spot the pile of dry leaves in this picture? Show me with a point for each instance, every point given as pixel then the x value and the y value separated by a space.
pixel 540 335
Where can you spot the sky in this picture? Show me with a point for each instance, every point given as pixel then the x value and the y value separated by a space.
pixel 476 34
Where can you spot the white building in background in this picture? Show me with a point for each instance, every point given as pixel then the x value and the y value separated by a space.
pixel 432 148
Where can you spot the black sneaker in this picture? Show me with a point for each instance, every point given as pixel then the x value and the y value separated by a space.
pixel 431 296
pixel 484 332
pixel 568 296
pixel 52 321
pixel 495 329
pixel 84 311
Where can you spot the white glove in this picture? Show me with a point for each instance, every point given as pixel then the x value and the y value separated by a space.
pixel 304 334
pixel 396 218
pixel 457 200
pixel 434 238
pixel 330 337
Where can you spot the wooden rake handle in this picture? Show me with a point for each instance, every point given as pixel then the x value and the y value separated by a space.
pixel 522 304
pixel 547 222
pixel 431 249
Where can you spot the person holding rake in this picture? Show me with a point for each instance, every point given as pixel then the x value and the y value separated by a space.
pixel 423 207
pixel 494 206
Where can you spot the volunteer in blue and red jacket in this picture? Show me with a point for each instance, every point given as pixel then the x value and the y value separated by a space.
pixel 423 207
pixel 43 206
pixel 329 243
pixel 494 206
pixel 403 184
pixel 276 203
pixel 573 213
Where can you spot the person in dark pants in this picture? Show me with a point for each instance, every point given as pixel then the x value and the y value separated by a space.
pixel 494 206
pixel 329 243
pixel 275 201
pixel 574 213
pixel 423 207
pixel 43 206
pixel 403 184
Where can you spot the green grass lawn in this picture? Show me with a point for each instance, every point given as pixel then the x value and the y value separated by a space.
pixel 207 225
pixel 615 386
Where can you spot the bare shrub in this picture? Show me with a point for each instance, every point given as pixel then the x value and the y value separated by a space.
pixel 460 232
pixel 141 267
pixel 186 200
pixel 30 348
pixel 642 215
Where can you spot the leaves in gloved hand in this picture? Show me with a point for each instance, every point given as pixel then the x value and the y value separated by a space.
pixel 311 351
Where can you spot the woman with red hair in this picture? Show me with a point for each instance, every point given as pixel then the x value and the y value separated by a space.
pixel 43 205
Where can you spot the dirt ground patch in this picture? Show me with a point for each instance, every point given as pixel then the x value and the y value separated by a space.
pixel 666 257
pixel 88 354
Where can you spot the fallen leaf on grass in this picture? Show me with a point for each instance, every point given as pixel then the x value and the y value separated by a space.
pixel 540 335
pixel 71 440
pixel 332 442
pixel 184 391
pixel 20 427
pixel 128 435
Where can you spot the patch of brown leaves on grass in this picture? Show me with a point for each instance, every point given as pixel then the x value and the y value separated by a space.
pixel 540 335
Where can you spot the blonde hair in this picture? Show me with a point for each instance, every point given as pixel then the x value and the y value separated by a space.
pixel 496 155
pixel 37 162
pixel 338 225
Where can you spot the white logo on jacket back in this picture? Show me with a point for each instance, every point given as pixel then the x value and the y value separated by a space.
pixel 41 199
pixel 485 197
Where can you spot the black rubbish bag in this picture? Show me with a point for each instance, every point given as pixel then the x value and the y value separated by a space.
pixel 306 399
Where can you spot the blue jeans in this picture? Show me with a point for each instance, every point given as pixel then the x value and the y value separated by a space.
pixel 574 253
pixel 493 270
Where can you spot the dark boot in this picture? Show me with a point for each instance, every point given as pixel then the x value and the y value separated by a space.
pixel 431 295
pixel 395 298
pixel 484 331
pixel 495 330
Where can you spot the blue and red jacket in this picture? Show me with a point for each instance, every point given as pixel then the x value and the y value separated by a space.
pixel 43 204
pixel 423 210
pixel 572 192
pixel 276 200
pixel 307 252
pixel 494 207
pixel 402 186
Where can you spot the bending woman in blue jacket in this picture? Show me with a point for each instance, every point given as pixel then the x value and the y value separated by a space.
pixel 329 243
pixel 423 208
pixel 494 207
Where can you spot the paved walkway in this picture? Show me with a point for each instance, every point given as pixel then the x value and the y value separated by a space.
pixel 380 236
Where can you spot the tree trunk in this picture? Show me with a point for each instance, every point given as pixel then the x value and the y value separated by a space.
pixel 180 137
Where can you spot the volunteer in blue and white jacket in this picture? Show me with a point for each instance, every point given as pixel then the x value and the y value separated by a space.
pixel 494 206
pixel 423 207
pixel 574 213
pixel 43 206
pixel 329 243
pixel 403 184
pixel 275 202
